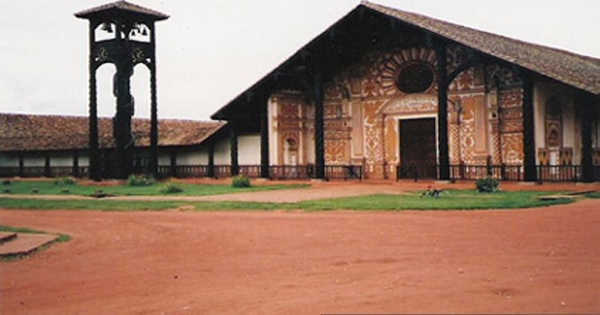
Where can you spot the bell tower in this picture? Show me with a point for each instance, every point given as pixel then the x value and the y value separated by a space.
pixel 123 34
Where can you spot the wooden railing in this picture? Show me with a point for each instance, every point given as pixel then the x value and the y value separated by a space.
pixel 545 173
pixel 344 172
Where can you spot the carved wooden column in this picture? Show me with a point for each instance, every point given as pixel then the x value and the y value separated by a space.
pixel 153 108
pixel 587 166
pixel 124 141
pixel 94 151
pixel 442 81
pixel 530 171
pixel 264 139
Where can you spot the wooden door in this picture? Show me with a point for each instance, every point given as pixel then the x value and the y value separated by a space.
pixel 418 147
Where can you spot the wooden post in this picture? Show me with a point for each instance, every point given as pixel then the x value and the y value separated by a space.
pixel 173 160
pixel 211 160
pixel 153 107
pixel 530 172
pixel 47 170
pixel 319 123
pixel 264 140
pixel 442 75
pixel 21 164
pixel 233 143
pixel 587 166
pixel 94 151
pixel 75 164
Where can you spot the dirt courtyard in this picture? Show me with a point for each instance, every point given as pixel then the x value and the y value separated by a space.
pixel 543 260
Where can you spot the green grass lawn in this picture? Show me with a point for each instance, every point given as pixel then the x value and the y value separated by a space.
pixel 595 195
pixel 450 200
pixel 50 188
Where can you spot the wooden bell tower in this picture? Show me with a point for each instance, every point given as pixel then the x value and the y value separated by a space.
pixel 128 39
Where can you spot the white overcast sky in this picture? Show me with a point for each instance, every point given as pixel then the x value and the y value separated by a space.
pixel 210 51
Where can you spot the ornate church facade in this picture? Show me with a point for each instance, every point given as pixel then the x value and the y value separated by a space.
pixel 402 95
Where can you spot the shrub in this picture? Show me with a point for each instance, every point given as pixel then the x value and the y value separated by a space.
pixel 65 181
pixel 240 181
pixel 171 189
pixel 487 185
pixel 140 180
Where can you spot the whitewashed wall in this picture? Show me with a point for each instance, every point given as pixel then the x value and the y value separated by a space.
pixel 9 160
pixel 33 161
pixel 194 156
pixel 249 149
pixel 61 160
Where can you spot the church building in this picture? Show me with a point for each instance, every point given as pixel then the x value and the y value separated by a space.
pixel 400 95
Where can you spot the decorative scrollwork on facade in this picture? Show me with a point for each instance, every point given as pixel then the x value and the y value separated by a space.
pixel 101 55
pixel 418 103
pixel 137 55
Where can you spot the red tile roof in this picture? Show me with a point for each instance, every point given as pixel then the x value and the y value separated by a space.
pixel 40 132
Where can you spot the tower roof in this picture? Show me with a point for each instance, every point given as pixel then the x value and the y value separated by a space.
pixel 121 8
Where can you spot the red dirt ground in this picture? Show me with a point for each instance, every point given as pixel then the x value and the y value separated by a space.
pixel 514 261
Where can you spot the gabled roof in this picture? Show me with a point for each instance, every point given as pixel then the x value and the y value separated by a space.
pixel 578 71
pixel 41 133
pixel 118 7
pixel 575 70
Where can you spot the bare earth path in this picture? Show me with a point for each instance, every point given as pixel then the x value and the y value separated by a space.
pixel 519 261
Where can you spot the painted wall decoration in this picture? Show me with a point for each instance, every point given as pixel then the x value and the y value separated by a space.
pixel 365 103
